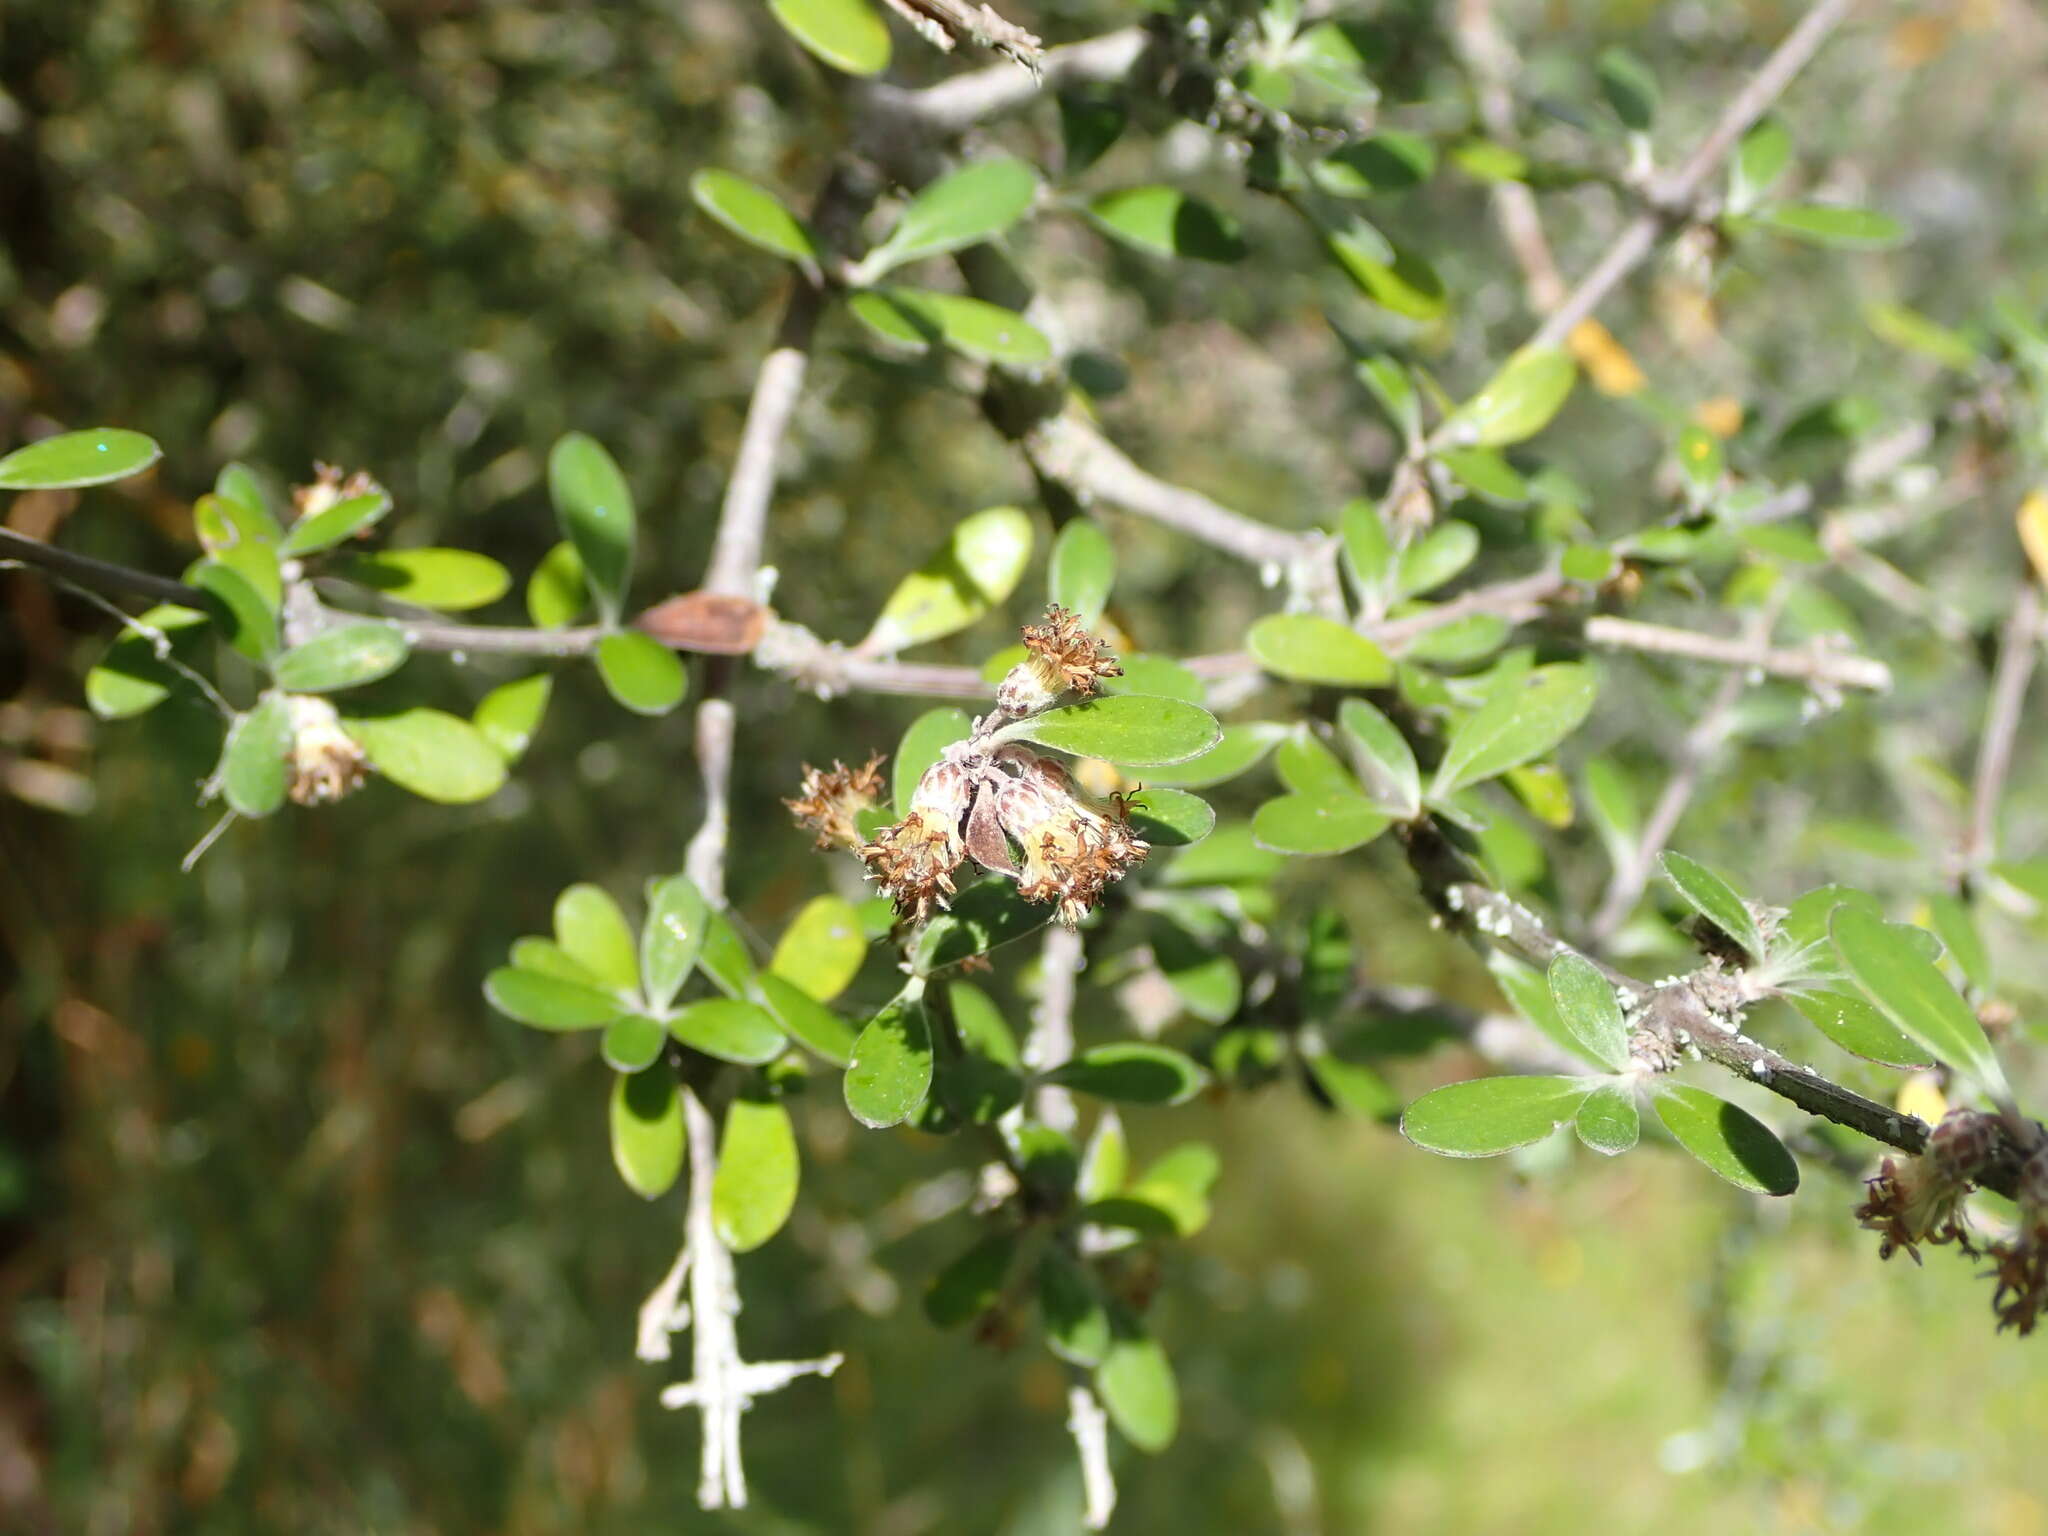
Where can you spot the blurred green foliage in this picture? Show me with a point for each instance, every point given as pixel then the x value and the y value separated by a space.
pixel 296 1234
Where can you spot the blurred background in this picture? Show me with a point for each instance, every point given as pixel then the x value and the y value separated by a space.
pixel 296 1234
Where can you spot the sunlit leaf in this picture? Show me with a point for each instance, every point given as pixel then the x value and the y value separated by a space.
pixel 94 456
pixel 1911 991
pixel 434 755
pixel 1520 722
pixel 641 673
pixel 1310 648
pixel 1132 729
pixel 891 1070
pixel 979 565
pixel 753 213
pixel 1164 221
pixel 1491 1115
pixel 755 1187
pixel 847 34
pixel 345 656
pixel 975 203
pixel 1730 1141
pixel 647 1131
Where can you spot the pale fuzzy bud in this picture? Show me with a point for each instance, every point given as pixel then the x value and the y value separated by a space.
pixel 324 762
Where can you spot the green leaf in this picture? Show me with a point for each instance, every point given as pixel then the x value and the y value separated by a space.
pixel 1859 1027
pixel 1700 458
pixel 1589 1011
pixel 592 931
pixel 753 213
pixel 1351 1086
pixel 1082 569
pixel 94 456
pixel 557 591
pixel 436 756
pixel 847 34
pixel 1205 979
pixel 1135 1382
pixel 550 959
pixel 975 203
pixel 1170 818
pixel 1487 475
pixel 1395 390
pixel 1070 1304
pixel 1608 1120
pixel 1178 1184
pixel 1160 676
pixel 1309 648
pixel 1392 276
pixel 1239 749
pixel 595 509
pixel 891 1071
pixel 1911 991
pixel 1132 729
pixel 345 656
pixel 1521 721
pixel 806 1020
pixel 1386 162
pixel 1367 548
pixel 1164 221
pixel 755 1187
pixel 549 1002
pixel 1715 900
pixel 1328 58
pixel 984 916
pixel 1435 558
pixel 922 745
pixel 1089 125
pixel 129 679
pixel 240 545
pixel 1394 780
pixel 672 937
pixel 1517 403
pixel 1630 88
pixel 979 565
pixel 344 520
pixel 452 580
pixel 1851 229
pixel 247 618
pixel 249 508
pixel 1764 153
pixel 1227 856
pixel 253 772
pixel 1491 1115
pixel 729 1028
pixel 1132 1072
pixel 1317 824
pixel 1594 562
pixel 647 1132
pixel 1733 1143
pixel 1950 918
pixel 1908 328
pixel 510 713
pixel 724 958
pixel 822 948
pixel 1307 767
pixel 641 673
pixel 632 1042
pixel 917 317
pixel 972 1283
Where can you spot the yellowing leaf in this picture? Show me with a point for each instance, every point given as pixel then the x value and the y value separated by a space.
pixel 1606 361
pixel 2033 524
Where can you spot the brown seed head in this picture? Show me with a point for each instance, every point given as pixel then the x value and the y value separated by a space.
pixel 1063 657
pixel 832 798
pixel 324 763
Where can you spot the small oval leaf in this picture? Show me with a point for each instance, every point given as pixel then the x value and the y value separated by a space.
pixel 452 580
pixel 93 456
pixel 1492 1115
pixel 595 508
pixel 1132 729
pixel 755 1187
pixel 1082 569
pixel 847 34
pixel 1132 1072
pixel 1732 1142
pixel 633 1042
pixel 976 568
pixel 672 937
pixel 647 1131
pixel 1136 1384
pixel 1589 1011
pixel 434 755
pixel 1318 825
pixel 345 656
pixel 592 931
pixel 753 213
pixel 253 772
pixel 641 673
pixel 1309 648
pixel 729 1028
pixel 975 203
pixel 549 1002
pixel 890 1074
pixel 1521 721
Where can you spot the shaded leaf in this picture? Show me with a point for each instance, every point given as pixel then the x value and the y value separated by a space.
pixel 1608 1120
pixel 1733 1143
pixel 647 1131
pixel 633 1042
pixel 1164 221
pixel 973 1282
pixel 1589 1011
pixel 595 509
pixel 1715 900
pixel 510 713
pixel 1318 824
pixel 891 1071
pixel 253 773
pixel 806 1020
pixel 1238 749
pixel 556 592
pixel 671 937
pixel 1135 1382
pixel 330 526
pixel 922 745
pixel 1170 818
pixel 1394 780
pixel 1132 1072
pixel 917 317
pixel 1082 569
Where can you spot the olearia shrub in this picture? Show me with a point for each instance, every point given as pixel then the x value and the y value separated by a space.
pixel 1442 680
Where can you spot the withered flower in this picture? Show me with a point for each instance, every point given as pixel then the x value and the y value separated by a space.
pixel 914 860
pixel 1919 1200
pixel 832 799
pixel 1063 657
pixel 1071 852
pixel 2020 1265
pixel 330 487
pixel 324 763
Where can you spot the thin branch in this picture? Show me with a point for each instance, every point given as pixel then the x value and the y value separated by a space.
pixel 1672 197
pixel 100 575
pixel 1490 58
pixel 1695 751
pixel 723 1385
pixel 953 106
pixel 1051 1040
pixel 2018 650
pixel 1089 1426
pixel 1816 665
pixel 939 22
pixel 1066 449
pixel 1701 1014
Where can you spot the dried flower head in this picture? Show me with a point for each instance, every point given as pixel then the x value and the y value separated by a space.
pixel 324 762
pixel 1062 658
pixel 1919 1200
pixel 1071 852
pixel 330 488
pixel 2020 1265
pixel 832 799
pixel 914 860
